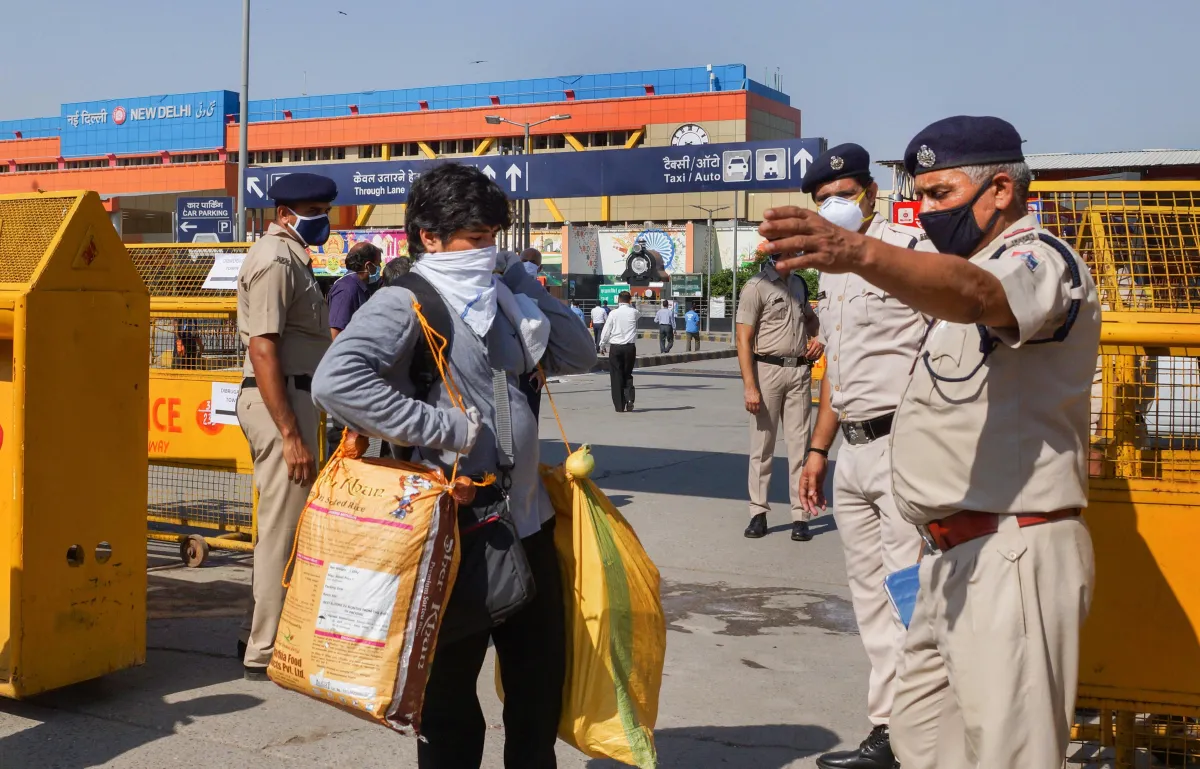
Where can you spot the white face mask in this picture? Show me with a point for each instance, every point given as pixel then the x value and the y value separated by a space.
pixel 531 268
pixel 844 213
pixel 464 279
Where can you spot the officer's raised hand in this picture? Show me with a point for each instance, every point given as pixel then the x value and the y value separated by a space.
pixel 806 241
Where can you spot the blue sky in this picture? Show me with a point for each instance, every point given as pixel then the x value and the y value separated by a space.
pixel 1071 75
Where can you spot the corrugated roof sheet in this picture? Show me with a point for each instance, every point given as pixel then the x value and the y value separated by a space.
pixel 1056 161
pixel 1132 159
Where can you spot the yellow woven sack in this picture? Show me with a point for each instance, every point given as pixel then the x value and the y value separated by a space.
pixel 616 631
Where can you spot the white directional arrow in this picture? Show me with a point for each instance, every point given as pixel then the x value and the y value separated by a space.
pixel 803 157
pixel 252 186
pixel 512 174
pixel 187 226
pixel 489 172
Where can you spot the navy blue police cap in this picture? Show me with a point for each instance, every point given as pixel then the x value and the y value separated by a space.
pixel 963 140
pixel 840 162
pixel 301 187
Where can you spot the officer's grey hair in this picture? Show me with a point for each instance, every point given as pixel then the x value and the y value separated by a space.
pixel 1018 172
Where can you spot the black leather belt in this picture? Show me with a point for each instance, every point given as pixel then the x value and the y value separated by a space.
pixel 302 382
pixel 858 433
pixel 779 360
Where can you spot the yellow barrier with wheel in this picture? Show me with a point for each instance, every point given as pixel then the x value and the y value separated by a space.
pixel 200 491
pixel 74 318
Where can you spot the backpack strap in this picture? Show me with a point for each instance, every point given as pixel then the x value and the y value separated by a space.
pixel 423 371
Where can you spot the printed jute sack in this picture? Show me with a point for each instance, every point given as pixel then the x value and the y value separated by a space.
pixel 376 553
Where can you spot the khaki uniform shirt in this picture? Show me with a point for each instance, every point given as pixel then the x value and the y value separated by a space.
pixel 1014 437
pixel 870 338
pixel 277 294
pixel 776 308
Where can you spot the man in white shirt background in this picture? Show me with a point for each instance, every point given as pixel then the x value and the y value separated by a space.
pixel 599 315
pixel 665 320
pixel 619 337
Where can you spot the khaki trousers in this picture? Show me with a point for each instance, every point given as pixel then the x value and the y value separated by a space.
pixel 787 398
pixel 280 503
pixel 877 542
pixel 990 666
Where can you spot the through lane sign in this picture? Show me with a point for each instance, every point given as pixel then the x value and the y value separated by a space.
pixel 767 165
pixel 204 220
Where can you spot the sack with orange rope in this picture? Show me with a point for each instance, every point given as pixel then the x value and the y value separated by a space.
pixel 616 629
pixel 374 560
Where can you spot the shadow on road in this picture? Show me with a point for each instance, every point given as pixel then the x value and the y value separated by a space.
pixel 770 746
pixel 95 722
pixel 691 473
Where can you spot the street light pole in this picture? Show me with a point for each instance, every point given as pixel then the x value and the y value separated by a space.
pixel 525 203
pixel 736 268
pixel 708 258
pixel 525 150
pixel 243 129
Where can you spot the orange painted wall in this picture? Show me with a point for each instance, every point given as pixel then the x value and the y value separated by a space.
pixel 21 150
pixel 586 117
pixel 127 180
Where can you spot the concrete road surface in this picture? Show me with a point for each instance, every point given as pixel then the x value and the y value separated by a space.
pixel 764 667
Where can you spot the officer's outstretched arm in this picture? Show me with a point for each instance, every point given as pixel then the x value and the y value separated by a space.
pixel 940 285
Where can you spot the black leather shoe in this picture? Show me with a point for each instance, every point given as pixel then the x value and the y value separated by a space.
pixel 241 650
pixel 758 527
pixel 800 532
pixel 875 752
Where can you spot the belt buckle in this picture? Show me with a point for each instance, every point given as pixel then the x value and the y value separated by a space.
pixel 853 434
pixel 927 537
pixel 791 362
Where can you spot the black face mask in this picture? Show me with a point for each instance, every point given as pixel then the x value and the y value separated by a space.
pixel 954 230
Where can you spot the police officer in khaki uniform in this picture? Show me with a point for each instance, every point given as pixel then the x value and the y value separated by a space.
pixel 989 450
pixel 284 325
pixel 776 337
pixel 870 341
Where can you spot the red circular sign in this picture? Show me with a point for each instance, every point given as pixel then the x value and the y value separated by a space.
pixel 204 419
pixel 118 115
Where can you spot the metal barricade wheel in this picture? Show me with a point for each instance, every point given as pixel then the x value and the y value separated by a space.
pixel 193 550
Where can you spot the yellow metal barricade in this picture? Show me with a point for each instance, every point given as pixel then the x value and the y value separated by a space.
pixel 1140 657
pixel 74 319
pixel 200 469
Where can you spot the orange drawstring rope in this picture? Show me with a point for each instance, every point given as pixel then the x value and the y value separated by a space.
pixel 545 386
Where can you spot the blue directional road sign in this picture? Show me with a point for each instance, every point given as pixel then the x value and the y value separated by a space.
pixel 769 165
pixel 204 220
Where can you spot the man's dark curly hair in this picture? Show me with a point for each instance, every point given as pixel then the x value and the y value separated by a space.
pixel 450 198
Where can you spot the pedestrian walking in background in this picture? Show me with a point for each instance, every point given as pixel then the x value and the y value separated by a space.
pixel 777 342
pixel 578 312
pixel 691 327
pixel 599 315
pixel 665 318
pixel 620 336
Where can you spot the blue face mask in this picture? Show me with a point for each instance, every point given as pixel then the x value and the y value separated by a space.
pixel 373 278
pixel 312 230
